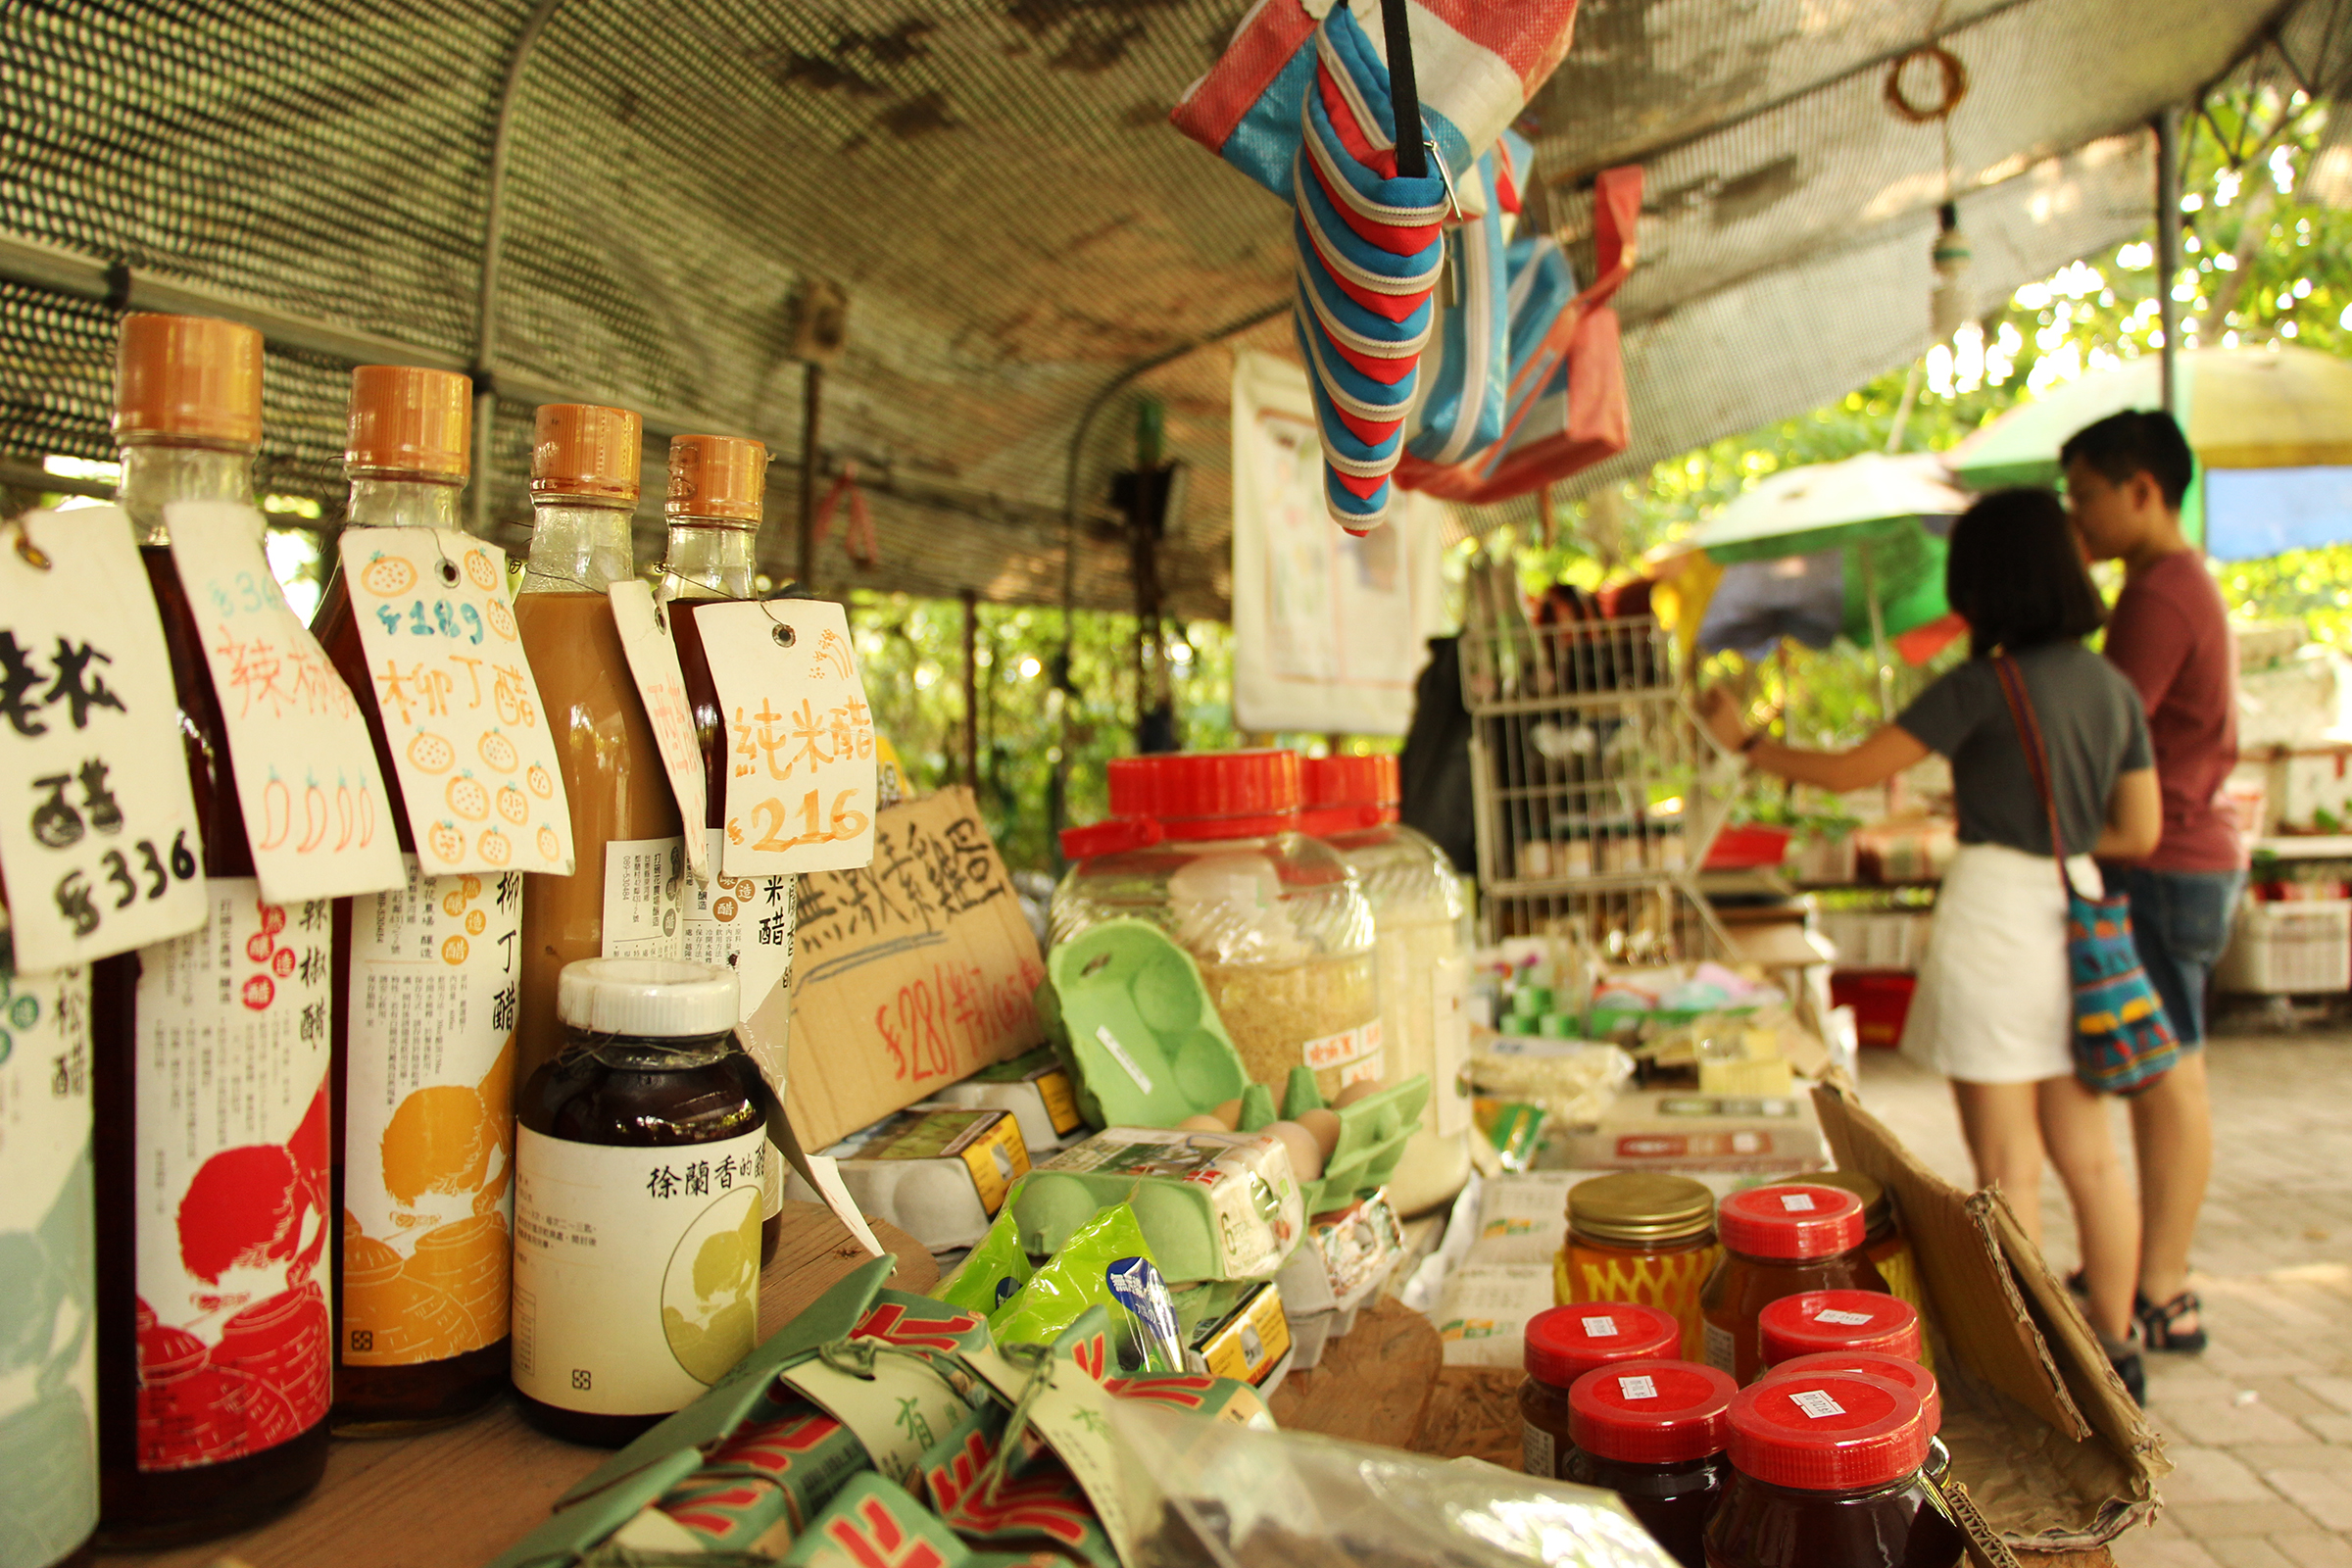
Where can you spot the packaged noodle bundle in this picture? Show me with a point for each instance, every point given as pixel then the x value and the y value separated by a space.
pixel 758 1491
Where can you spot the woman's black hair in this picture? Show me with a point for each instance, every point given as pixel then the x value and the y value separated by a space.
pixel 2015 573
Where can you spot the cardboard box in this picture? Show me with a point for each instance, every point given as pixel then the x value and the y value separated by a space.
pixel 1677 1131
pixel 937 1172
pixel 909 974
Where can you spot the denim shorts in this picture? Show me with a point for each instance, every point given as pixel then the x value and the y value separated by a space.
pixel 2181 923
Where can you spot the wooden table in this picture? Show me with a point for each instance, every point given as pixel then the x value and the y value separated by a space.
pixel 459 1497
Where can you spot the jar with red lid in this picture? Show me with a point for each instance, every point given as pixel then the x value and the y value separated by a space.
pixel 1654 1432
pixel 1778 1241
pixel 1812 1321
pixel 1563 1345
pixel 1895 1369
pixel 1206 847
pixel 1826 1474
pixel 1886 1245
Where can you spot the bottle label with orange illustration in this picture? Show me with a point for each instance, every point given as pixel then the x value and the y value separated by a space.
pixel 636 1269
pixel 234 1333
pixel 48 1356
pixel 645 886
pixel 742 922
pixel 427 1150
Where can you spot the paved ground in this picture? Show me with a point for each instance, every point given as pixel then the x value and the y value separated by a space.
pixel 2260 1426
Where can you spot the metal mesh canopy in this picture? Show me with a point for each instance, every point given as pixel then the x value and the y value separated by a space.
pixel 640 191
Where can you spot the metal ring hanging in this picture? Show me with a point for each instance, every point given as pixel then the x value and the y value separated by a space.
pixel 784 634
pixel 1948 64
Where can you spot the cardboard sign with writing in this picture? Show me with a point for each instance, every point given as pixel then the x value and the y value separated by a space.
pixel 800 780
pixel 915 971
pixel 98 833
pixel 461 708
pixel 313 799
pixel 661 687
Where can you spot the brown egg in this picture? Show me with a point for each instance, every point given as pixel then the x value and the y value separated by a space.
pixel 1325 1125
pixel 1229 1114
pixel 1355 1092
pixel 1202 1124
pixel 1306 1156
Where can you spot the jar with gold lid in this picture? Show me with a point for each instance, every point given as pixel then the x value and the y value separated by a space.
pixel 1639 1236
pixel 1884 1241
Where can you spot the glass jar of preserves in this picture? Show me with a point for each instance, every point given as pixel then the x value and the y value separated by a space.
pixel 1895 1369
pixel 1826 1474
pixel 1563 1344
pixel 1813 1321
pixel 1778 1241
pixel 638 1168
pixel 1884 1241
pixel 1641 1236
pixel 1654 1432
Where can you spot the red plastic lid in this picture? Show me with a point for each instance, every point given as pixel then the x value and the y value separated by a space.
pixel 1828 1431
pixel 1111 837
pixel 1350 781
pixel 1894 1368
pixel 1651 1413
pixel 1790 1220
pixel 1210 795
pixel 1564 1342
pixel 1812 1321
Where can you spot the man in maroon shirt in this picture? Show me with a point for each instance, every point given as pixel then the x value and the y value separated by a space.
pixel 2170 636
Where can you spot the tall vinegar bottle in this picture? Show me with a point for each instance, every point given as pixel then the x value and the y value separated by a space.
pixel 427 979
pixel 210 1082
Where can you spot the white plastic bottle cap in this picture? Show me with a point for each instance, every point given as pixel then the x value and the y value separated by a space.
pixel 658 999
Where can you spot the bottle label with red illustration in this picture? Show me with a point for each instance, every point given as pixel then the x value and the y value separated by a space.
pixel 428 1193
pixel 234 1333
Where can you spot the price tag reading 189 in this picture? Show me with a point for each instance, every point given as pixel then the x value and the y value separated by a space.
pixel 801 778
pixel 98 835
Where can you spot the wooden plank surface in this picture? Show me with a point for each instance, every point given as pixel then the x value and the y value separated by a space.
pixel 1370 1387
pixel 459 1497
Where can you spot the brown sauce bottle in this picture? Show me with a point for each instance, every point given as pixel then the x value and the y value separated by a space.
pixel 193 1326
pixel 424 1142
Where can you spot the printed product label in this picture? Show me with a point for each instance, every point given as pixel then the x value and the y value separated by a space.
pixel 428 1118
pixel 1600 1327
pixel 742 922
pixel 1358 1044
pixel 48 1357
pixel 1062 1106
pixel 644 887
pixel 636 1271
pixel 645 641
pixel 987 1142
pixel 1536 1451
pixel 1817 1403
pixel 1796 1202
pixel 1638 1387
pixel 1722 1350
pixel 1848 1320
pixel 232 1034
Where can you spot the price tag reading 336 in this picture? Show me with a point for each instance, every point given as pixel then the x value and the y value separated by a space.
pixel 800 780
pixel 460 705
pixel 98 838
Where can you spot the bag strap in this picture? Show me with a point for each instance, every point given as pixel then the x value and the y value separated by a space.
pixel 2037 758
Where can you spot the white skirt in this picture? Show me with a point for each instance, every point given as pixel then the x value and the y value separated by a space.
pixel 1994 1003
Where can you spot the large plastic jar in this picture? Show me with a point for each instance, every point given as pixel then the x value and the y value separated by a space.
pixel 1653 1433
pixel 1825 1473
pixel 1563 1344
pixel 1641 1236
pixel 1206 847
pixel 1421 944
pixel 1778 1241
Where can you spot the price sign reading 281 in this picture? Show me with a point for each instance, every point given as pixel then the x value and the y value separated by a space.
pixel 801 779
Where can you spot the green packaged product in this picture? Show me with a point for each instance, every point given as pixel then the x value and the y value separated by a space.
pixel 991 1272
pixel 1106 1263
pixel 1034 1502
pixel 759 1489
pixel 871 1522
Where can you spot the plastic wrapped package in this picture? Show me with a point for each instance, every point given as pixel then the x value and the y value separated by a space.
pixel 1573 1080
pixel 1232 1498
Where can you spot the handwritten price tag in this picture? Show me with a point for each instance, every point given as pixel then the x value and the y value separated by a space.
pixel 661 687
pixel 461 708
pixel 99 843
pixel 313 799
pixel 800 780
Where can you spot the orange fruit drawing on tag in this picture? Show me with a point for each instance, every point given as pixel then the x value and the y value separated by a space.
pixel 387 575
pixel 428 752
pixel 468 797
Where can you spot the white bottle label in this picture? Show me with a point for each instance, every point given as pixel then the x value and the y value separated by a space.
pixel 643 885
pixel 1722 1348
pixel 48 1362
pixel 744 923
pixel 1537 1455
pixel 231 1098
pixel 429 1108
pixel 636 1271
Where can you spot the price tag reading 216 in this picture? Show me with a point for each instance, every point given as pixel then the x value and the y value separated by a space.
pixel 801 781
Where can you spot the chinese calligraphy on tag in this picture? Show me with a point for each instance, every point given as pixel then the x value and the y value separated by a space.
pixel 801 779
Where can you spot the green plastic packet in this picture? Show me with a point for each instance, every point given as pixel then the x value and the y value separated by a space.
pixel 1106 1263
pixel 992 1271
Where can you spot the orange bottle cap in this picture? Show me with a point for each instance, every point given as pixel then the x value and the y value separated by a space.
pixel 192 378
pixel 579 448
pixel 718 479
pixel 407 421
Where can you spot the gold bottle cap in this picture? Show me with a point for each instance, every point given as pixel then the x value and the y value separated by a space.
pixel 407 421
pixel 1642 1206
pixel 192 378
pixel 716 478
pixel 579 448
pixel 1877 1208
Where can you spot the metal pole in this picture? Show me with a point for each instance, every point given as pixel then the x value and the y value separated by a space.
pixel 2168 248
pixel 1877 633
pixel 971 688
pixel 812 388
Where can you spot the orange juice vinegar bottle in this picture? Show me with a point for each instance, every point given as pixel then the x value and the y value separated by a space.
pixel 427 983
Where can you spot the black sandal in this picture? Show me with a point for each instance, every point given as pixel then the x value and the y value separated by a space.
pixel 2156 1328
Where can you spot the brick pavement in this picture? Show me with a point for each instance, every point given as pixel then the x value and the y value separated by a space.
pixel 2259 1427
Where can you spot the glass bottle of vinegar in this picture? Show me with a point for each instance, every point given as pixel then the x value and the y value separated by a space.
pixel 214 1341
pixel 424 1142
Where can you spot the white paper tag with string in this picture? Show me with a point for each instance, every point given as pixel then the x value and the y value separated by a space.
pixel 652 656
pixel 313 796
pixel 801 778
pixel 99 842
pixel 460 709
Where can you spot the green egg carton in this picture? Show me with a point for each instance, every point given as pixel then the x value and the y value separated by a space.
pixel 1212 1205
pixel 1131 1020
pixel 1373 1133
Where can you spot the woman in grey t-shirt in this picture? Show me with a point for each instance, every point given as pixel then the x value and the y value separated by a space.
pixel 1994 1008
